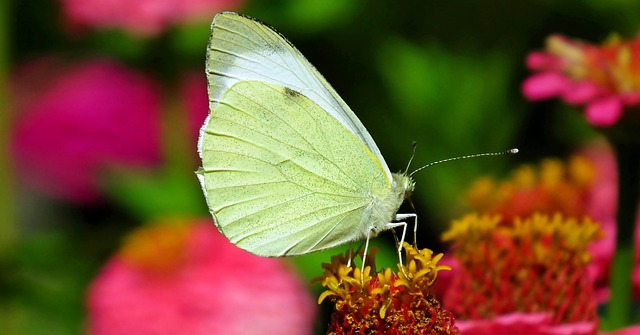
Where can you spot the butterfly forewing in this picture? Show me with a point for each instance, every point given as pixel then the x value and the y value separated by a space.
pixel 241 48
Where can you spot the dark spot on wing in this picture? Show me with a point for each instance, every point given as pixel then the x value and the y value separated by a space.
pixel 291 93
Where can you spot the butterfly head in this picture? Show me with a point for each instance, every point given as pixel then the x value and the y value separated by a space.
pixel 409 185
pixel 405 184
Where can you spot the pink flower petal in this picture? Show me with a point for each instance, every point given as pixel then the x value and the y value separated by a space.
pixel 631 98
pixel 514 323
pixel 605 111
pixel 525 324
pixel 543 61
pixel 582 92
pixel 545 85
pixel 632 330
pixel 578 328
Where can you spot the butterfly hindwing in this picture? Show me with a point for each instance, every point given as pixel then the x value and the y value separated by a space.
pixel 282 176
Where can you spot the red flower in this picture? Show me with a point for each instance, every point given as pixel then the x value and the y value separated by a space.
pixel 605 78
pixel 74 121
pixel 185 278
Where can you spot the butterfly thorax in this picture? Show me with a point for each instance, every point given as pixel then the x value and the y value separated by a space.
pixel 387 205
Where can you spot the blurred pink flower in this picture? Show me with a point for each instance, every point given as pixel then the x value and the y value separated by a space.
pixel 605 78
pixel 601 206
pixel 75 121
pixel 142 17
pixel 185 278
pixel 632 330
pixel 524 324
pixel 193 94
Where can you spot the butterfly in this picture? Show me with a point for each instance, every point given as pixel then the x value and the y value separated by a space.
pixel 287 167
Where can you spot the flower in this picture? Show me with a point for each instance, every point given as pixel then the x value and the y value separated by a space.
pixel 552 187
pixel 76 120
pixel 142 17
pixel 387 302
pixel 184 277
pixel 583 185
pixel 523 266
pixel 531 265
pixel 605 78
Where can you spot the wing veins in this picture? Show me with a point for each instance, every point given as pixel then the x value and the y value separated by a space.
pixel 291 232
pixel 284 159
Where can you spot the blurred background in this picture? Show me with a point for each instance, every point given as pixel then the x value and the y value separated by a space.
pixel 101 102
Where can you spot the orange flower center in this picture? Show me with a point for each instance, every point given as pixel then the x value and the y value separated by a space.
pixel 159 248
pixel 615 64
pixel 553 187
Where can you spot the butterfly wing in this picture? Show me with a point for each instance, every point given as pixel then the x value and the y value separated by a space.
pixel 242 48
pixel 284 177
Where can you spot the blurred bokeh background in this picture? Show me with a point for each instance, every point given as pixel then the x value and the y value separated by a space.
pixel 101 102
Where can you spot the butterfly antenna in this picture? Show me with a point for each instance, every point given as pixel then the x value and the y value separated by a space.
pixel 506 152
pixel 413 154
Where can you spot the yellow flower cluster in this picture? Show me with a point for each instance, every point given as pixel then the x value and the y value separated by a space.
pixel 386 302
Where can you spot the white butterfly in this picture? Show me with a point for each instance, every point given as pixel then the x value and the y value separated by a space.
pixel 287 167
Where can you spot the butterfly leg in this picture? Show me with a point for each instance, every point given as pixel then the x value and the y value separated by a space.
pixel 364 256
pixel 353 253
pixel 392 225
pixel 400 218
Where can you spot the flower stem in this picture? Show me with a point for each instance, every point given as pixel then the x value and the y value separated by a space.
pixel 619 310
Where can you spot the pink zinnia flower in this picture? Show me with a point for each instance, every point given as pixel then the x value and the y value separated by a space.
pixel 604 78
pixel 534 264
pixel 185 278
pixel 75 121
pixel 583 185
pixel 142 17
